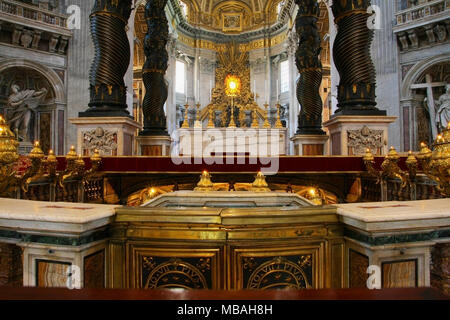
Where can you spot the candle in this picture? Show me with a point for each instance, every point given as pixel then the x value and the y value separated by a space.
pixel 278 91
pixel 185 90
pixel 265 89
pixel 210 89
pixel 254 90
pixel 198 90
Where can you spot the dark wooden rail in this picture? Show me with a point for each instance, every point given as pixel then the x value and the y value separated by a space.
pixel 7 293
pixel 287 164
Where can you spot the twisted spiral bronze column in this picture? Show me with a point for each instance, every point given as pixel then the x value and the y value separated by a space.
pixel 351 52
pixel 112 57
pixel 155 68
pixel 310 68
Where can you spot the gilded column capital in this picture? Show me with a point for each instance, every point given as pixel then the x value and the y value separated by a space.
pixel 343 8
pixel 115 8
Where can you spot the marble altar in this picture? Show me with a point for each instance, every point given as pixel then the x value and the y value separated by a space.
pixel 326 246
pixel 55 235
pixel 198 142
pixel 396 236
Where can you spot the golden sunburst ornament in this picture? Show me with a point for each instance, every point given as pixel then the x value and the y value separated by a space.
pixel 232 85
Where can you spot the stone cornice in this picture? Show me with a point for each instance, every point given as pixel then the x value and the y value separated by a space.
pixel 37 25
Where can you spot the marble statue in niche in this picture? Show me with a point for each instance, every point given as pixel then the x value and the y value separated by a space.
pixel 23 104
pixel 443 109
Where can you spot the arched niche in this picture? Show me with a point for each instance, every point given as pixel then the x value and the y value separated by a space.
pixel 50 75
pixel 48 122
pixel 417 71
pixel 414 89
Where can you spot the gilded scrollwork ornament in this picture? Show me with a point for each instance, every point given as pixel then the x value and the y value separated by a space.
pixel 369 162
pixel 249 263
pixel 39 168
pixel 8 157
pixel 205 183
pixel 391 169
pixel 412 165
pixel 260 184
pixel 436 163
pixel 204 264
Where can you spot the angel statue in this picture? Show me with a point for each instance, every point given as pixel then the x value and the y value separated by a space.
pixel 23 104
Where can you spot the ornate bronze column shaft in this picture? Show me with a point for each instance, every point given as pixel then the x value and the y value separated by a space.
pixel 310 68
pixel 112 58
pixel 155 68
pixel 351 52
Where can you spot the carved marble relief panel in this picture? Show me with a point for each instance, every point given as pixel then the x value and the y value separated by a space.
pixel 101 139
pixel 361 139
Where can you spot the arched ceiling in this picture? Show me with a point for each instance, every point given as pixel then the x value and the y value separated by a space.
pixel 251 11
pixel 231 16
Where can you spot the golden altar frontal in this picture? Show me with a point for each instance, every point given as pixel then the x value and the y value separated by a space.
pixel 223 240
